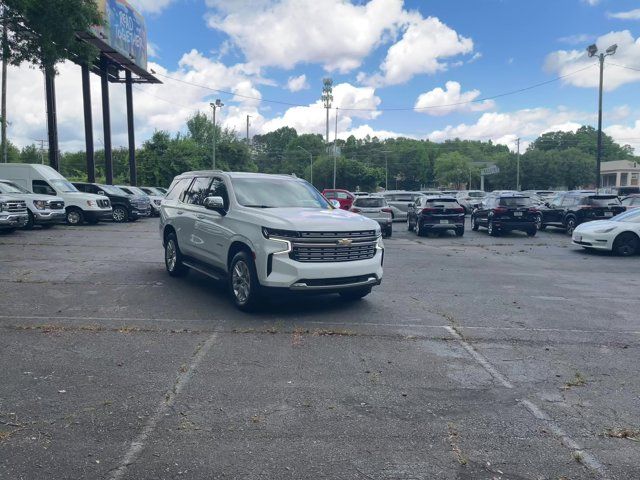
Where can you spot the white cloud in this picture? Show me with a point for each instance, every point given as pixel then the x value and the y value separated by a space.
pixel 312 118
pixel 591 3
pixel 565 62
pixel 626 135
pixel 629 15
pixel 439 102
pixel 424 43
pixel 295 84
pixel 577 39
pixel 153 51
pixel 505 128
pixel 363 131
pixel 283 33
pixel 150 6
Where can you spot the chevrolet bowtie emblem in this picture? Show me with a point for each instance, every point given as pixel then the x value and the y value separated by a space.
pixel 345 242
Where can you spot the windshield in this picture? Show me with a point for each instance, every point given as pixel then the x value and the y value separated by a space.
pixel 476 194
pixel 7 187
pixel 604 201
pixel 632 216
pixel 111 190
pixel 137 191
pixel 369 202
pixel 62 185
pixel 261 192
pixel 515 201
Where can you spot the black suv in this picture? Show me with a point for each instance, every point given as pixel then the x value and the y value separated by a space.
pixel 569 209
pixel 505 212
pixel 435 213
pixel 125 206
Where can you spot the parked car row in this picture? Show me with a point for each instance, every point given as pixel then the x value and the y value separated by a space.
pixel 35 194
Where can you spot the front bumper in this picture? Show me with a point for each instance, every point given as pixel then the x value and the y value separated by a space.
pixel 49 216
pixel 442 226
pixel 13 220
pixel 140 212
pixel 292 275
pixel 591 240
pixel 93 215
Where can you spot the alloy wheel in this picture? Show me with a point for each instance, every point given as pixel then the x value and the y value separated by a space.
pixel 73 217
pixel 170 255
pixel 119 215
pixel 241 282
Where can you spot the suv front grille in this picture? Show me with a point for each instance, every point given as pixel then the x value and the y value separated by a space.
pixel 56 205
pixel 103 203
pixel 16 206
pixel 325 247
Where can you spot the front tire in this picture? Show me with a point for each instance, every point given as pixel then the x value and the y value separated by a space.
pixel 459 232
pixel 173 257
pixel 243 282
pixel 75 217
pixel 355 294
pixel 570 225
pixel 120 214
pixel 626 244
pixel 539 224
pixel 30 222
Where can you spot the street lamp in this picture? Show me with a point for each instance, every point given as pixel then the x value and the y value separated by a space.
pixel 217 104
pixel 592 51
pixel 310 161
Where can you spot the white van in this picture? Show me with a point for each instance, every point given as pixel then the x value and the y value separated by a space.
pixel 79 207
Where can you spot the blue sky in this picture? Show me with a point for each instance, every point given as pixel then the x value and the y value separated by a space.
pixel 384 54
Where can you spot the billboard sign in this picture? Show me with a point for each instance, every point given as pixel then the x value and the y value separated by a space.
pixel 124 30
pixel 490 170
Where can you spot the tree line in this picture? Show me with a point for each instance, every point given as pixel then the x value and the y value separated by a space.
pixel 554 160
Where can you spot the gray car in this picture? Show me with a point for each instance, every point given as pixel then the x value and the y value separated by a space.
pixel 375 207
pixel 399 201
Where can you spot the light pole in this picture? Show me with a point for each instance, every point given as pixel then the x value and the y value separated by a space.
pixel 217 104
pixel 310 161
pixel 327 98
pixel 386 170
pixel 592 50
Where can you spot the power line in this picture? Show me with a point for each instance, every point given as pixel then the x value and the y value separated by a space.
pixel 390 109
pixel 624 66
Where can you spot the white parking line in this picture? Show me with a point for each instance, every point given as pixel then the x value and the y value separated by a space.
pixel 578 451
pixel 137 445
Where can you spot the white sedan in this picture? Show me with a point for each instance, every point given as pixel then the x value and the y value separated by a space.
pixel 620 235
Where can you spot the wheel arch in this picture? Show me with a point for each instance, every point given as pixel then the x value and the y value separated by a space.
pixel 236 247
pixel 168 229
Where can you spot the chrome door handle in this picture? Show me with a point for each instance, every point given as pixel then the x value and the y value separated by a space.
pixel 200 216
pixel 179 212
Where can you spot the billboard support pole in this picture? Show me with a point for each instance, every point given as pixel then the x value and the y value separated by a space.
pixel 106 121
pixel 88 124
pixel 133 177
pixel 52 120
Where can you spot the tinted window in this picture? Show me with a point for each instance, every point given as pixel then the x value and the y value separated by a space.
pixel 219 189
pixel 442 202
pixel 627 201
pixel 404 198
pixel 178 189
pixel 369 202
pixel 569 201
pixel 197 191
pixel 515 201
pixel 265 192
pixel 42 187
pixel 330 194
pixel 603 201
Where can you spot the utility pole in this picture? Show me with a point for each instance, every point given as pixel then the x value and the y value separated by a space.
pixel 248 117
pixel 327 98
pixel 217 104
pixel 592 51
pixel 335 151
pixel 3 108
pixel 518 167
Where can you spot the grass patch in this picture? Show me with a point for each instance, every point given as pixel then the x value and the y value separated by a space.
pixel 578 380
pixel 627 433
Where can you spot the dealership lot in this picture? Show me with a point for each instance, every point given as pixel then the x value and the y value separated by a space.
pixel 478 357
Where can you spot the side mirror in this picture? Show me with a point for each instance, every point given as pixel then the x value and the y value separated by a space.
pixel 546 204
pixel 334 203
pixel 100 192
pixel 213 203
pixel 410 205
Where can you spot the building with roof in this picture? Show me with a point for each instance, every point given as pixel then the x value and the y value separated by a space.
pixel 620 173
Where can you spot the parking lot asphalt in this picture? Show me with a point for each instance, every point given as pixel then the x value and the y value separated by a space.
pixel 477 358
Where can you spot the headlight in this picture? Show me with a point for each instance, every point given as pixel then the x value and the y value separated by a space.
pixel 276 233
pixel 605 230
pixel 90 203
pixel 40 204
pixel 2 206
pixel 379 243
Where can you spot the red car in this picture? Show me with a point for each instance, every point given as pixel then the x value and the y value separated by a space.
pixel 345 197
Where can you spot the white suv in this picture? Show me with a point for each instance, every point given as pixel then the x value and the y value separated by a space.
pixel 263 232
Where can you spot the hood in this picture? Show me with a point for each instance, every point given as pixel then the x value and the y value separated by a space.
pixel 84 196
pixel 311 219
pixel 596 225
pixel 36 196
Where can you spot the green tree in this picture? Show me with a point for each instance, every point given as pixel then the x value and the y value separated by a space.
pixel 453 168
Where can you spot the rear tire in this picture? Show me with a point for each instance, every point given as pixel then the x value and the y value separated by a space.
pixel 626 244
pixel 570 225
pixel 539 224
pixel 421 232
pixel 120 214
pixel 389 232
pixel 409 226
pixel 459 232
pixel 355 294
pixel 173 257
pixel 243 282
pixel 491 230
pixel 474 223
